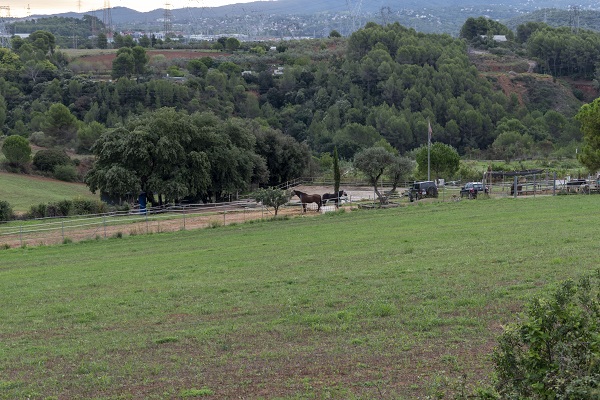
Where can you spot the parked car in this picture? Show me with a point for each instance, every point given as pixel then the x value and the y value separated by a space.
pixel 577 186
pixel 472 188
pixel 420 190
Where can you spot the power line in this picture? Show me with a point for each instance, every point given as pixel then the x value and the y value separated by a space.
pixel 4 37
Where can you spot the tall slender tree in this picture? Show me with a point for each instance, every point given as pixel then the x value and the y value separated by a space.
pixel 336 171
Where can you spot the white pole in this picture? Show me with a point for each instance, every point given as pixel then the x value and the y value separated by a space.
pixel 428 150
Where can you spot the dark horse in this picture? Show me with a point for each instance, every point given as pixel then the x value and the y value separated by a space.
pixel 308 198
pixel 334 197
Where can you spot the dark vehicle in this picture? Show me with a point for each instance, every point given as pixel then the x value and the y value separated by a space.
pixel 471 189
pixel 577 186
pixel 420 190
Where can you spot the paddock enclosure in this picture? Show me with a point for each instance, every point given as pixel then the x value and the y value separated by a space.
pixel 193 216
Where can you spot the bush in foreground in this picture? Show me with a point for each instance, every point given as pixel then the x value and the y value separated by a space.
pixel 554 352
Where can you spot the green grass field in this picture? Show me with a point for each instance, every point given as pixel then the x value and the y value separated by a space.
pixel 23 191
pixel 401 303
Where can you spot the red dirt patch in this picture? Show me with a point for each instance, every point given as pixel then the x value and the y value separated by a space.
pixel 104 61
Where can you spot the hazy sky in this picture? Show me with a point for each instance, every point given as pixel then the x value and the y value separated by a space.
pixel 23 8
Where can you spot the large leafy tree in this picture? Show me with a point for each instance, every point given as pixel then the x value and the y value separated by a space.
pixel 285 158
pixel 444 159
pixel 589 117
pixel 124 63
pixel 176 155
pixel 155 153
pixel 129 61
pixel 43 41
pixel 60 124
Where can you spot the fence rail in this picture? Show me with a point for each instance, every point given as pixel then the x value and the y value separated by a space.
pixel 84 227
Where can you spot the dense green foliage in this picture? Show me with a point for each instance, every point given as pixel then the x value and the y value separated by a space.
pixel 387 83
pixel 589 115
pixel 17 150
pixel 554 351
pixel 198 156
pixel 563 52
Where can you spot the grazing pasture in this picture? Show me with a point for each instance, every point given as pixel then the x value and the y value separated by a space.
pixel 23 191
pixel 400 303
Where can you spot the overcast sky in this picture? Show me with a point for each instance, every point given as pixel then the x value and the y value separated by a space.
pixel 23 8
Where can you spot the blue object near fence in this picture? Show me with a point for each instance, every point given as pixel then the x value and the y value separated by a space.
pixel 142 201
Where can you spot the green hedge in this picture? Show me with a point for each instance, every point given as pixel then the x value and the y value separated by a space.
pixel 65 208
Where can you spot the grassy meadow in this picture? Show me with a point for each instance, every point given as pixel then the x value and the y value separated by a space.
pixel 401 303
pixel 23 191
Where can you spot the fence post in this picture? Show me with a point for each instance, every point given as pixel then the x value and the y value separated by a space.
pixel 62 229
pixel 146 222
pixel 554 185
pixel 224 213
pixel 104 224
pixel 21 234
pixel 184 217
pixel 515 187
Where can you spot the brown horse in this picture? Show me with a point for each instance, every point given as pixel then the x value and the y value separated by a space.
pixel 308 198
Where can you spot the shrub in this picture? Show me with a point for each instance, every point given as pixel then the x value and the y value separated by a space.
pixel 48 160
pixel 65 208
pixel 67 173
pixel 6 211
pixel 554 353
pixel 84 206
pixel 40 139
pixel 37 211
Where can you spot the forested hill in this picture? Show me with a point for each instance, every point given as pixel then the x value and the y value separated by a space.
pixel 384 85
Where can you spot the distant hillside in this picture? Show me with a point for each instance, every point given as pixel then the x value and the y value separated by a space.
pixel 584 19
pixel 318 18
